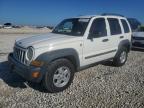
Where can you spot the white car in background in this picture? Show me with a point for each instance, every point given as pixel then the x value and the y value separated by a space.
pixel 138 39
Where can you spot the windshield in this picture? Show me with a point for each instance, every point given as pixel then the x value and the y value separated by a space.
pixel 141 29
pixel 74 27
pixel 134 23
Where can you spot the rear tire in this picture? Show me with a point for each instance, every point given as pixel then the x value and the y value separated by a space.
pixel 121 57
pixel 59 75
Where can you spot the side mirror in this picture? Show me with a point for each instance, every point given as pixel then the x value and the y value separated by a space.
pixel 90 36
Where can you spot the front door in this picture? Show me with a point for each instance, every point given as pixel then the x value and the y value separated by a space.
pixel 96 47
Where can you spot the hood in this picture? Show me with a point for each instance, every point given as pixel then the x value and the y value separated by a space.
pixel 138 34
pixel 38 40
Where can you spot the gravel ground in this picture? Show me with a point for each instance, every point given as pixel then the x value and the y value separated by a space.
pixel 102 86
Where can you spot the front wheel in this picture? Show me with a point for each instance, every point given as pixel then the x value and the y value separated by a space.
pixel 59 75
pixel 121 57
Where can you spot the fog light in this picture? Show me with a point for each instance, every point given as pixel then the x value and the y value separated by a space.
pixel 37 63
pixel 35 74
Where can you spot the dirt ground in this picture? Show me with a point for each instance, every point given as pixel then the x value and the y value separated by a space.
pixel 101 86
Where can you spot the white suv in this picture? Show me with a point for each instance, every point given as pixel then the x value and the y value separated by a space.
pixel 74 44
pixel 138 39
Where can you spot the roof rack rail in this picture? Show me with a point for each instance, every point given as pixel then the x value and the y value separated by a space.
pixel 112 14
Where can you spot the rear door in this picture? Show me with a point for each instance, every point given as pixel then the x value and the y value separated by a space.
pixel 115 33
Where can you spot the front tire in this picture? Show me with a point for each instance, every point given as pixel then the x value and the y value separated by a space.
pixel 59 75
pixel 121 57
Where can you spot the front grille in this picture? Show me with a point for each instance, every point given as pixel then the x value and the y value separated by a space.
pixel 19 54
pixel 137 44
pixel 138 38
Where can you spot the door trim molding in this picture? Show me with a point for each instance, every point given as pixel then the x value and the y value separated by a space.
pixel 91 56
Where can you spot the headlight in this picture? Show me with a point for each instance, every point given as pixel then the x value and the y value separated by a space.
pixel 30 53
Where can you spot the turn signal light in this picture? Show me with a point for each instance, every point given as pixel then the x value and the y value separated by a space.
pixel 35 74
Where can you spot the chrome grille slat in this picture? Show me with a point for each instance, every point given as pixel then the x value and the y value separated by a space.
pixel 19 54
pixel 24 58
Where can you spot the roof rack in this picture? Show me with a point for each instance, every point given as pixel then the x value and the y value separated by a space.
pixel 111 14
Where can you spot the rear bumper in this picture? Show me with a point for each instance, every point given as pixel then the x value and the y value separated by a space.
pixel 23 70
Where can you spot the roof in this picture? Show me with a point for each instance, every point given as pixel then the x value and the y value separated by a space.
pixel 87 16
pixel 105 14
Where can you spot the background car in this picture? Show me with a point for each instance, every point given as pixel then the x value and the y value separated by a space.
pixel 134 23
pixel 138 38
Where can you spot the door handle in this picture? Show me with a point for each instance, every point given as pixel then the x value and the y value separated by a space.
pixel 121 37
pixel 105 40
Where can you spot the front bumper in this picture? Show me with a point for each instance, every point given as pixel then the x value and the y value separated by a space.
pixel 138 44
pixel 23 70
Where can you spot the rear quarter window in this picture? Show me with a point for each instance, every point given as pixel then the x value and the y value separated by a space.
pixel 114 26
pixel 125 26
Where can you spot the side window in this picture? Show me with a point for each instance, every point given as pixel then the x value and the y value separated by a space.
pixel 125 26
pixel 68 27
pixel 114 26
pixel 98 28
